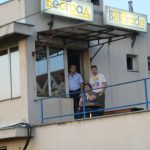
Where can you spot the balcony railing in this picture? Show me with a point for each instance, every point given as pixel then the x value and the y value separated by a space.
pixel 143 102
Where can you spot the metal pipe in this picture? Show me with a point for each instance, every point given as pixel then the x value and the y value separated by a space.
pixel 146 94
pixel 130 4
pixel 84 101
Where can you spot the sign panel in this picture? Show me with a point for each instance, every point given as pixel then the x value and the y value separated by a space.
pixel 72 9
pixel 125 19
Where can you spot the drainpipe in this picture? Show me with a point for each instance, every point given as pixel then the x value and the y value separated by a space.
pixel 130 4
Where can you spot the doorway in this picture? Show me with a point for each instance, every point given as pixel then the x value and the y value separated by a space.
pixel 75 58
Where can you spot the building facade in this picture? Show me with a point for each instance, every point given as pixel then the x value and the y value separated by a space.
pixel 38 43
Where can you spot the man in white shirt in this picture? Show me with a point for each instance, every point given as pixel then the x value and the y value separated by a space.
pixel 99 83
pixel 75 82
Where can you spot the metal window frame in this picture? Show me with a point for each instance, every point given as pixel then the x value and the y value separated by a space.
pixel 49 70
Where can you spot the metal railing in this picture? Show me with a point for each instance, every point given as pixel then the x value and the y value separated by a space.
pixel 84 112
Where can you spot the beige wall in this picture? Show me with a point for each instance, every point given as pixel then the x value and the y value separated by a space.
pixel 12 11
pixel 127 132
pixel 11 145
pixel 124 132
pixel 11 111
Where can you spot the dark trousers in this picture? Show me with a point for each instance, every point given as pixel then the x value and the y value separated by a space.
pixel 101 101
pixel 76 97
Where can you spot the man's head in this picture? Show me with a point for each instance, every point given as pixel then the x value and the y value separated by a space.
pixel 94 70
pixel 72 69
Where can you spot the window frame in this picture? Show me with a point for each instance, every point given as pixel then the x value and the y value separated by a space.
pixel 95 2
pixel 3 148
pixel 135 62
pixel 148 64
pixel 10 73
pixel 49 69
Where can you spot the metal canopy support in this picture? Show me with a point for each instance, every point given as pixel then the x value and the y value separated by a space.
pixel 91 58
pixel 132 36
pixel 112 40
pixel 86 33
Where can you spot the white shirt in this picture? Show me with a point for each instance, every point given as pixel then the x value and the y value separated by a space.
pixel 96 82
pixel 75 81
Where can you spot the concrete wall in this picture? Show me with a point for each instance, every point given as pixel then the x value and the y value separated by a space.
pixel 57 107
pixel 41 20
pixel 127 132
pixel 12 11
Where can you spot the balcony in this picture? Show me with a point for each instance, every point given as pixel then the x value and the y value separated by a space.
pixel 127 102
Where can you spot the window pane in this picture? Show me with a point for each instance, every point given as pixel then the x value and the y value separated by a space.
pixel 95 2
pixel 57 72
pixel 148 59
pixel 15 72
pixel 129 63
pixel 132 62
pixel 3 1
pixel 41 74
pixel 3 148
pixel 4 76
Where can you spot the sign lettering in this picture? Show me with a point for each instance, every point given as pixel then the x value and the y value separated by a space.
pixel 125 19
pixel 73 9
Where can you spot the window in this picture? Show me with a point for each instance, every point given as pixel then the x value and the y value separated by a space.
pixel 3 1
pixel 50 72
pixel 41 73
pixel 10 73
pixel 148 60
pixel 95 2
pixel 56 67
pixel 15 72
pixel 3 148
pixel 132 62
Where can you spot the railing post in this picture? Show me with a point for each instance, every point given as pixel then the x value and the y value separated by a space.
pixel 84 101
pixel 146 94
pixel 41 111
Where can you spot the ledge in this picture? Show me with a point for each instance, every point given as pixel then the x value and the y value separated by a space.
pixel 13 133
pixel 16 30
